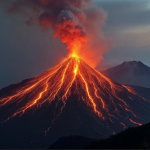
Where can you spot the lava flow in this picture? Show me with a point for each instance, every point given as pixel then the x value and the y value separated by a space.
pixel 74 77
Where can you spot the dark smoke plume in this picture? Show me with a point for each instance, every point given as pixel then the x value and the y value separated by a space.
pixel 75 22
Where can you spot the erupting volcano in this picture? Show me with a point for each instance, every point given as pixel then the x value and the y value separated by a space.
pixel 72 98
pixel 73 83
pixel 73 77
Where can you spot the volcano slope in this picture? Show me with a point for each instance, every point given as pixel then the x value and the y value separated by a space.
pixel 69 99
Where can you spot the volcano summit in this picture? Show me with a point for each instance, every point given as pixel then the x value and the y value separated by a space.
pixel 69 99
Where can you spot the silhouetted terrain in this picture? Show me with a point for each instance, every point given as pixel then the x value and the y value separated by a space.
pixel 72 142
pixel 132 138
pixel 130 73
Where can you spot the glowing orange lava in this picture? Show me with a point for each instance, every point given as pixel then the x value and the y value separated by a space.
pixel 74 77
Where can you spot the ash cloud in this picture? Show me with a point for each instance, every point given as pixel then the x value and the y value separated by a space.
pixel 75 22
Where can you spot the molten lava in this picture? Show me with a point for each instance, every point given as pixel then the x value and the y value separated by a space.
pixel 74 77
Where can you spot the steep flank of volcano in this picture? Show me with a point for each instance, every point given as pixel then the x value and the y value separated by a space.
pixel 70 99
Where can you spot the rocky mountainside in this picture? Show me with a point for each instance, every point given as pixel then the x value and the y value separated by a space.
pixel 69 99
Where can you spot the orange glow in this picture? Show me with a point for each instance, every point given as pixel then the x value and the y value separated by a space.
pixel 135 122
pixel 124 126
pixel 133 92
pixel 73 76
pixel 73 54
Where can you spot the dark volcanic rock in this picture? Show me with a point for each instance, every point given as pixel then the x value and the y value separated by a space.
pixel 72 142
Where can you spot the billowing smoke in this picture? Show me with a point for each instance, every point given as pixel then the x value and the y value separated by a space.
pixel 69 30
pixel 76 22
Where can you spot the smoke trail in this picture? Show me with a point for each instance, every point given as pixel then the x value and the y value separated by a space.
pixel 75 22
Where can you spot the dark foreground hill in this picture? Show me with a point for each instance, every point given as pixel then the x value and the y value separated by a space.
pixel 130 73
pixel 132 138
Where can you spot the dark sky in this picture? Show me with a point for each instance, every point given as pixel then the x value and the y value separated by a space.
pixel 27 52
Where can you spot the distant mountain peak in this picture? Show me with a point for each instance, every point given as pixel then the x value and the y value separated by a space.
pixel 135 65
pixel 134 62
pixel 130 73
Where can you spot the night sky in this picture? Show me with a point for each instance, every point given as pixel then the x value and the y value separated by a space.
pixel 27 52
